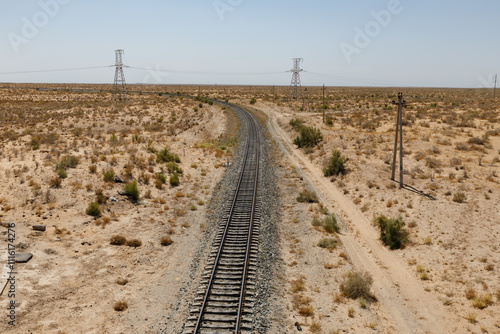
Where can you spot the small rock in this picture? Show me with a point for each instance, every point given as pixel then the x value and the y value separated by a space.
pixel 117 179
pixel 39 228
pixel 113 199
pixel 122 193
pixel 23 257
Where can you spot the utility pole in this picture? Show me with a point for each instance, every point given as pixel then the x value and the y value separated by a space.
pixel 399 131
pixel 274 96
pixel 323 104
pixel 495 88
pixel 119 87
pixel 295 87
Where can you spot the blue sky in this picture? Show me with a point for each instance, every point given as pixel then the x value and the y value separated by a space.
pixel 343 42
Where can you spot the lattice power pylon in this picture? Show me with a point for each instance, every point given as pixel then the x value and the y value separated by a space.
pixel 295 87
pixel 119 87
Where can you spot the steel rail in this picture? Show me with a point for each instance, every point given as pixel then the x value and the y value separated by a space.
pixel 252 130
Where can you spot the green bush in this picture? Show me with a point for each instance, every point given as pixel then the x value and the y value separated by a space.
pixel 174 180
pixel 305 196
pixel 61 172
pixel 166 156
pixel 253 100
pixel 109 175
pixel 329 122
pixel 172 167
pixel 309 137
pixel 328 243
pixel 161 177
pixel 330 224
pixel 132 190
pixel 336 164
pixel 357 285
pixel 35 143
pixel 459 197
pixel 392 232
pixel 68 161
pixel 94 209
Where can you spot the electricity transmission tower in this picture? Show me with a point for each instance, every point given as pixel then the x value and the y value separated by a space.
pixel 399 131
pixel 119 87
pixel 295 87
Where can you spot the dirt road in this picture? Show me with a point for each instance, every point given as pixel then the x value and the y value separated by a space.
pixel 408 307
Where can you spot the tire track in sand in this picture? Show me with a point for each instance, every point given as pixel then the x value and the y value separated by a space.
pixel 408 307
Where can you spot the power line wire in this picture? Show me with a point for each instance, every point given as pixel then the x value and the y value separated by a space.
pixel 56 70
pixel 204 73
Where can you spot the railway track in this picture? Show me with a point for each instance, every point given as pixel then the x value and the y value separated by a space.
pixel 225 298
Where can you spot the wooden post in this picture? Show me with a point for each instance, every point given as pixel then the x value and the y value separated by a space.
pixel 399 135
pixel 395 152
pixel 273 95
pixel 400 107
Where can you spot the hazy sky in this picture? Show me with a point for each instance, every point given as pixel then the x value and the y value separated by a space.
pixel 448 43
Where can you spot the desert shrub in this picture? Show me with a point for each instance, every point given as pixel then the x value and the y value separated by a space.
pixel 166 156
pixel 459 197
pixel 298 285
pixel 327 243
pixel 61 173
pixel 392 231
pixel 134 243
pixel 470 293
pixel 118 240
pixel 68 161
pixel 120 306
pixel 309 137
pixel 306 196
pixel 336 164
pixel 296 123
pixel 172 167
pixel 99 197
pixel 357 285
pixel 253 100
pixel 55 182
pixel 330 224
pixel 161 177
pixel 477 141
pixel 109 175
pixel 35 143
pixel 329 122
pixel 432 162
pixel 94 209
pixel 166 241
pixel 482 301
pixel 132 190
pixel 174 180
pixel 316 222
pixel 92 169
pixel 306 311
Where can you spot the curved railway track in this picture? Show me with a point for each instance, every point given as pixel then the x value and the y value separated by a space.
pixel 225 298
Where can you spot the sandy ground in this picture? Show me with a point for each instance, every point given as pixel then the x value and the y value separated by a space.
pixel 72 283
pixel 452 146
pixel 455 243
